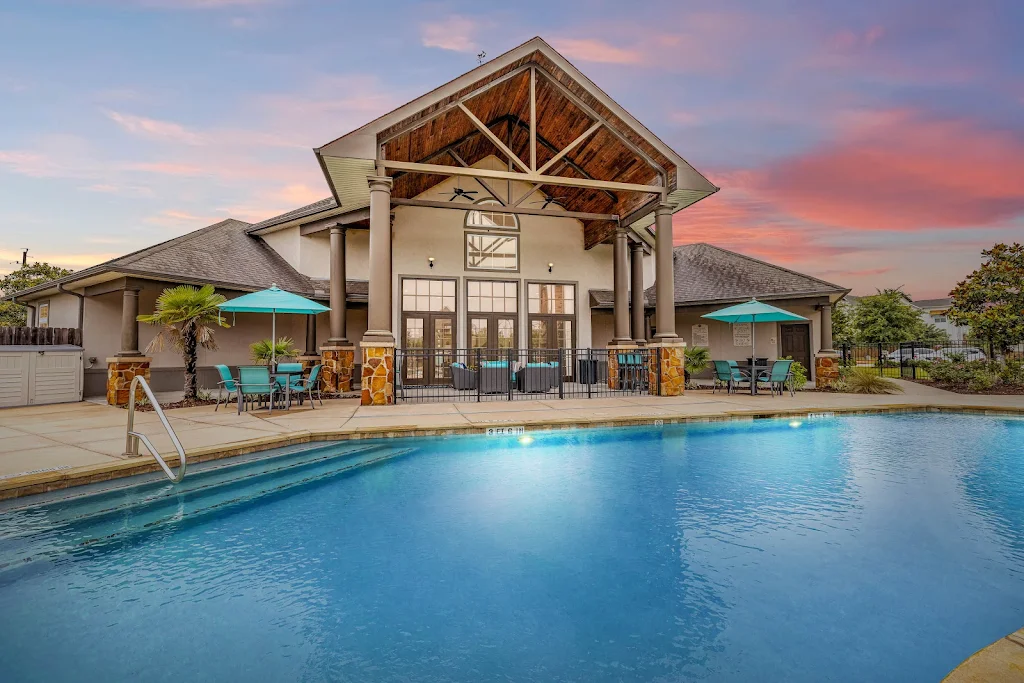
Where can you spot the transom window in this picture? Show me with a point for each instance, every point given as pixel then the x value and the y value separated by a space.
pixel 492 297
pixel 492 252
pixel 491 219
pixel 428 295
pixel 548 298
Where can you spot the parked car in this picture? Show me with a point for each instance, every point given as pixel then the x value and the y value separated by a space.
pixel 919 353
pixel 965 352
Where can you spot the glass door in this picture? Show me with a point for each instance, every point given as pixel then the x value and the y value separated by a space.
pixel 428 330
pixel 493 315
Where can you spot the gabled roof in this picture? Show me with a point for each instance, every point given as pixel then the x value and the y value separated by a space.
pixel 306 211
pixel 221 254
pixel 429 128
pixel 705 274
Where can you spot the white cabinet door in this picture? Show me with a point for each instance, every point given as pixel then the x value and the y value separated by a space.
pixel 15 370
pixel 56 377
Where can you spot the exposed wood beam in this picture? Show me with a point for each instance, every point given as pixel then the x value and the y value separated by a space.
pixel 459 206
pixel 570 147
pixel 544 142
pixel 483 183
pixel 533 119
pixel 437 169
pixel 494 138
pixel 528 193
pixel 418 123
pixel 323 224
pixel 597 117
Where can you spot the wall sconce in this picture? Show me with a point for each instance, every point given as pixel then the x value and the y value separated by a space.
pixel 550 266
pixel 431 259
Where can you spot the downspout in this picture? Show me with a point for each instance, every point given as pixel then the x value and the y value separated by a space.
pixel 81 311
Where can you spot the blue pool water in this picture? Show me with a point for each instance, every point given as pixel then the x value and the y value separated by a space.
pixel 866 548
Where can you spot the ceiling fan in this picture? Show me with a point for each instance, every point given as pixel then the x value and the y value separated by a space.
pixel 459 192
pixel 549 199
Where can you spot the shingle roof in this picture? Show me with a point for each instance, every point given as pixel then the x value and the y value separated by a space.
pixel 222 254
pixel 705 273
pixel 930 304
pixel 301 212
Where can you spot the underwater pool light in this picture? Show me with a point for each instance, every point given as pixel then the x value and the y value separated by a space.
pixel 795 423
pixel 526 440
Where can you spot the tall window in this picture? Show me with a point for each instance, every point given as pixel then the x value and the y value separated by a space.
pixel 552 313
pixel 428 295
pixel 494 249
pixel 493 307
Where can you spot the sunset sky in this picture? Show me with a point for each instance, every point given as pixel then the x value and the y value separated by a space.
pixel 873 144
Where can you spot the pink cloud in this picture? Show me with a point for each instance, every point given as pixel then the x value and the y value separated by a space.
pixel 591 50
pixel 455 32
pixel 167 131
pixel 902 171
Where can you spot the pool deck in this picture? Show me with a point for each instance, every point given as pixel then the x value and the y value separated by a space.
pixel 46 448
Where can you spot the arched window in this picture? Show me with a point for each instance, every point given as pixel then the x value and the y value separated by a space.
pixel 489 219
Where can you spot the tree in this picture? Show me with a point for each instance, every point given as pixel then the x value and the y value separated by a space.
pixel 991 299
pixel 886 318
pixel 29 275
pixel 186 314
pixel 932 335
pixel 843 332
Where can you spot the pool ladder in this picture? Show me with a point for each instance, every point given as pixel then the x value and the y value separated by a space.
pixel 132 437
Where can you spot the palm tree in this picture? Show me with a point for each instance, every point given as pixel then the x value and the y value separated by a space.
pixel 186 314
pixel 261 351
pixel 695 360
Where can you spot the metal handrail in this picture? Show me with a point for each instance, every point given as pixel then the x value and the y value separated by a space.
pixel 132 438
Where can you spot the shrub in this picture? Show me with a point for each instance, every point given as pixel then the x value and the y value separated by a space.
pixel 799 375
pixel 1012 373
pixel 866 381
pixel 261 352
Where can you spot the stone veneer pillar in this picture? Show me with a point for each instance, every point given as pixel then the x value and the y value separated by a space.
pixel 338 365
pixel 613 363
pixel 121 370
pixel 826 369
pixel 667 369
pixel 378 373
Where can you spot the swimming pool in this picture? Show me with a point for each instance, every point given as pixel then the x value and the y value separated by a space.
pixel 875 547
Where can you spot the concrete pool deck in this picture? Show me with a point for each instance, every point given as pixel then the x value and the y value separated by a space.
pixel 46 448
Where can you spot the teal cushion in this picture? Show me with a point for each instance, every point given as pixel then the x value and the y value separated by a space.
pixel 494 364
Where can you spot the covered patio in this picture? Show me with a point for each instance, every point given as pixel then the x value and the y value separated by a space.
pixel 577 153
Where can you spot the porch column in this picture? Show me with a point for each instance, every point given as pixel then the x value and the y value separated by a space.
pixel 379 313
pixel 129 362
pixel 636 290
pixel 665 309
pixel 310 347
pixel 339 292
pixel 826 327
pixel 621 276
pixel 378 345
pixel 825 372
pixel 129 323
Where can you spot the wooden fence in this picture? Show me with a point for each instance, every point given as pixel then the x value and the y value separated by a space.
pixel 41 336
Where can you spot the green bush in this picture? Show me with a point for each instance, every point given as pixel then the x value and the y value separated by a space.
pixel 261 351
pixel 1012 373
pixel 975 375
pixel 799 373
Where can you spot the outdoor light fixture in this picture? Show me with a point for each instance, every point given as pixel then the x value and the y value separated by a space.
pixel 431 259
pixel 550 266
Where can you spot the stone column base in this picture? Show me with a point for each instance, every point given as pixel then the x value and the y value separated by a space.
pixel 121 370
pixel 826 369
pixel 667 369
pixel 338 363
pixel 378 375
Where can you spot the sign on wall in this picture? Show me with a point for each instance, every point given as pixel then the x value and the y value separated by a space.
pixel 700 335
pixel 43 315
pixel 741 334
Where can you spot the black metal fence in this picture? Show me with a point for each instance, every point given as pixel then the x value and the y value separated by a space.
pixel 910 360
pixel 477 375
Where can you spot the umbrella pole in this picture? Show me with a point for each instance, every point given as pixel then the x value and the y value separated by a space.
pixel 273 338
pixel 753 356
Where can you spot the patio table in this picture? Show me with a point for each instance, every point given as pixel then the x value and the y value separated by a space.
pixel 287 381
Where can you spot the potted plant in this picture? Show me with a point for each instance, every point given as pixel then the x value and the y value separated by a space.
pixel 264 350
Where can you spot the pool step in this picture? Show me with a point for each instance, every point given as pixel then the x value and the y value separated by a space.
pixel 49 531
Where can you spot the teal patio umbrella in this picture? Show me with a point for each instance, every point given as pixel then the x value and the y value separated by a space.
pixel 753 311
pixel 273 301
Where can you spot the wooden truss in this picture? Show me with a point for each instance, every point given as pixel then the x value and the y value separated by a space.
pixel 528 171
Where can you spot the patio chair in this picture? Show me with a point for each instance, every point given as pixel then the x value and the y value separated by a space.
pixel 463 378
pixel 287 367
pixel 494 377
pixel 255 385
pixel 537 377
pixel 631 367
pixel 226 383
pixel 308 385
pixel 727 375
pixel 778 377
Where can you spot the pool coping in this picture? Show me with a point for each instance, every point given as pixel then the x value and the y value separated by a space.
pixel 1000 662
pixel 43 482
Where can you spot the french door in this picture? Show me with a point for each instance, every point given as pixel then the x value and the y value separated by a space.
pixel 493 312
pixel 428 330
